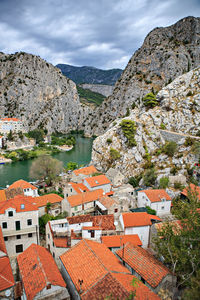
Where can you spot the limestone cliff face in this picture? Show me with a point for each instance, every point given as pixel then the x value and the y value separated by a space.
pixel 165 54
pixel 37 93
pixel 176 117
pixel 102 89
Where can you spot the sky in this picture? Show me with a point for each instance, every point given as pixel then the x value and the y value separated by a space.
pixel 98 33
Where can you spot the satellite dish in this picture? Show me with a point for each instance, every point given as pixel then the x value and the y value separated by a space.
pixel 7 293
pixel 115 223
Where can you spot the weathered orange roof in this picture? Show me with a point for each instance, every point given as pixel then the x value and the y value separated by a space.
pixel 94 261
pixel 156 195
pixel 6 275
pixel 43 200
pixel 2 196
pixel 60 242
pixel 193 188
pixel 106 222
pixel 145 264
pixel 86 197
pixel 97 180
pixel 22 184
pixel 79 187
pixel 38 269
pixel 85 171
pixel 136 219
pixel 106 201
pixel 2 242
pixel 91 228
pixel 20 203
pixel 113 241
pixel 10 119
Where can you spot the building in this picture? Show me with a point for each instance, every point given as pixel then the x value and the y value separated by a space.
pixel 72 188
pixel 98 182
pixel 138 223
pixel 79 174
pixel 115 242
pixel 19 222
pixel 81 203
pixel 10 124
pixel 1 141
pixel 28 188
pixel 40 276
pixel 158 200
pixel 193 189
pixel 55 201
pixel 108 205
pixel 147 268
pixel 99 274
pixel 7 282
pixel 115 176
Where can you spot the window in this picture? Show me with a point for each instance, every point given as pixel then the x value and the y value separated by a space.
pixel 4 225
pixel 92 234
pixel 18 237
pixel 5 238
pixel 162 207
pixel 71 190
pixel 10 213
pixel 142 279
pixel 76 208
pixel 30 235
pixel 48 236
pixel 19 248
pixel 116 210
pixel 22 206
pixel 29 222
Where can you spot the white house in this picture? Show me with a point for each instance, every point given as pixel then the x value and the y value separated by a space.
pixel 158 200
pixel 10 124
pixel 138 223
pixel 19 222
pixel 28 188
pixel 1 141
pixel 98 182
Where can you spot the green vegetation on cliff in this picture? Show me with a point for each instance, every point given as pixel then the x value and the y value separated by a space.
pixel 89 96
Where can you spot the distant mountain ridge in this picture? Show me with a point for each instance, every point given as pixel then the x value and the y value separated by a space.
pixel 90 74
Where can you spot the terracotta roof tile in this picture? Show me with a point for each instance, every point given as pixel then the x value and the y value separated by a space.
pixel 97 180
pixel 145 264
pixel 22 184
pixel 113 241
pixel 10 119
pixel 60 242
pixel 85 171
pixel 156 195
pixel 6 275
pixel 2 242
pixel 106 222
pixel 2 196
pixel 194 189
pixel 20 203
pixel 86 197
pixel 91 228
pixel 107 202
pixel 136 219
pixel 43 200
pixel 79 187
pixel 38 269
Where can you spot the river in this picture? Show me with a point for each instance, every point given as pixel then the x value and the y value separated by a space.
pixel 81 153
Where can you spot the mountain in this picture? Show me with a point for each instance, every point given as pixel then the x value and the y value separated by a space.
pixel 90 74
pixel 165 54
pixel 36 92
pixel 161 137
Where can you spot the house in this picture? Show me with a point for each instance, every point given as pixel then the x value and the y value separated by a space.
pixel 81 203
pixel 41 203
pixel 115 176
pixel 193 189
pixel 79 174
pixel 115 242
pixel 72 188
pixel 99 274
pixel 40 275
pixel 138 223
pixel 28 188
pixel 108 205
pixel 158 200
pixel 1 141
pixel 147 268
pixel 126 196
pixel 59 238
pixel 10 124
pixel 7 281
pixel 19 222
pixel 98 182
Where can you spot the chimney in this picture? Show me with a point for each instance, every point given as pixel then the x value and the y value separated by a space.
pixel 68 239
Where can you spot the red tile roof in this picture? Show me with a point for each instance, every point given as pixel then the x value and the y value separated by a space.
pixel 97 180
pixel 156 195
pixel 22 184
pixel 107 202
pixel 115 241
pixel 43 200
pixel 20 203
pixel 79 187
pixel 2 242
pixel 38 269
pixel 60 242
pixel 91 228
pixel 145 264
pixel 10 119
pixel 192 188
pixel 136 219
pixel 85 171
pixel 2 196
pixel 6 275
pixel 86 197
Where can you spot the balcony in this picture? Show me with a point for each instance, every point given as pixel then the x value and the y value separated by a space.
pixel 31 229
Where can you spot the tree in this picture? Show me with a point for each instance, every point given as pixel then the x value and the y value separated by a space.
pixel 150 100
pixel 71 166
pixel 170 148
pixel 196 149
pixel 10 136
pixel 114 154
pixel 129 130
pixel 46 168
pixel 48 207
pixel 37 134
pixel 164 182
pixel 150 177
pixel 178 242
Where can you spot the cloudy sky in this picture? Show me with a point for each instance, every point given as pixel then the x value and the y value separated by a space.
pixel 100 33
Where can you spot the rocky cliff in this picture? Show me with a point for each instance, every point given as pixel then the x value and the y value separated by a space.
pixel 175 118
pixel 105 90
pixel 37 93
pixel 165 54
